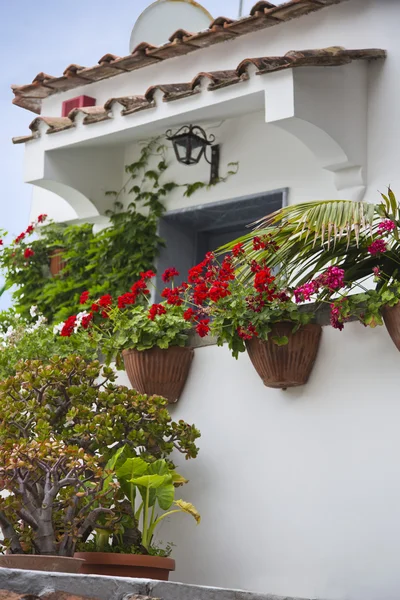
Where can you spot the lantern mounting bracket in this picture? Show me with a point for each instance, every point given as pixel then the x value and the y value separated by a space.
pixel 190 144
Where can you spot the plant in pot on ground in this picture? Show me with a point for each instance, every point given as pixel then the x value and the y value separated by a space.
pixel 148 487
pixel 147 339
pixel 60 422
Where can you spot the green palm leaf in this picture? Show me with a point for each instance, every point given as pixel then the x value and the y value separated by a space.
pixel 315 234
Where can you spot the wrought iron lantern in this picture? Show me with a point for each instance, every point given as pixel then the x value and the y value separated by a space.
pixel 191 143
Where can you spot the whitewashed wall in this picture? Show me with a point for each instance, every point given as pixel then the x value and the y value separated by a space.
pixel 300 490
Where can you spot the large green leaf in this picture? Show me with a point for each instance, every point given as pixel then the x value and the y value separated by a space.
pixel 132 467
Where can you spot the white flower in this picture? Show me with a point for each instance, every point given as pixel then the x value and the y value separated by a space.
pixel 58 328
pixel 79 318
pixel 33 311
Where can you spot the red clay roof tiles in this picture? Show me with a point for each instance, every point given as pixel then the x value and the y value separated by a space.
pixel 263 14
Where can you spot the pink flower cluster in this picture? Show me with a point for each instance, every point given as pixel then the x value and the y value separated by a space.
pixel 386 226
pixel 336 318
pixel 332 279
pixel 377 247
pixel 304 292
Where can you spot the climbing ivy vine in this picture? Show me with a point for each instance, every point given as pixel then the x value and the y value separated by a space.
pixel 103 262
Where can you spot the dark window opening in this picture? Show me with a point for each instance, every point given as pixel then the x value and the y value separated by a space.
pixel 191 232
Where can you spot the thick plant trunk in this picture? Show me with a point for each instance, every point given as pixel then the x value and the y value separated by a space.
pixel 45 538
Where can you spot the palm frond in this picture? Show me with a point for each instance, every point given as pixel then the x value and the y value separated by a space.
pixel 312 235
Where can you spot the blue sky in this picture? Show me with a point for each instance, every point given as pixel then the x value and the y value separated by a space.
pixel 47 35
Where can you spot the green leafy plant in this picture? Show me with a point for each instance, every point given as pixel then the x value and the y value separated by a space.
pixel 34 339
pixel 149 488
pixel 59 422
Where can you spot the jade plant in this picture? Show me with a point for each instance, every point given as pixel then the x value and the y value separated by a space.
pixel 58 430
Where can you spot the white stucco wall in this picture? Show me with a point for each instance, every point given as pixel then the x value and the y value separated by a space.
pixel 299 491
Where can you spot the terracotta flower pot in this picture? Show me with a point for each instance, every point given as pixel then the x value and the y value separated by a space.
pixel 39 562
pixel 126 565
pixel 290 365
pixel 391 317
pixel 159 372
pixel 57 263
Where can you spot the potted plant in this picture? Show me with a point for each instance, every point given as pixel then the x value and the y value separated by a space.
pixel 59 420
pixel 148 339
pixel 359 239
pixel 148 488
pixel 257 315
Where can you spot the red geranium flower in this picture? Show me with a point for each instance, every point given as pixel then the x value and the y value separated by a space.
pixel 29 229
pixel 84 297
pixel 126 299
pixel 140 286
pixel 263 280
pixel 172 296
pixel 156 309
pixel 169 274
pixel 1 242
pixel 202 327
pixel 86 320
pixel 19 238
pixel 28 252
pixel 195 273
pixel 94 307
pixel 41 218
pixel 189 314
pixel 105 301
pixel 68 327
pixel 200 293
pixel 219 290
pixel 237 250
pixel 227 272
pixel 147 275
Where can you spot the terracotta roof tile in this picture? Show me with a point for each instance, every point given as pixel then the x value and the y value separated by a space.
pixel 130 104
pixel 23 139
pixel 219 79
pixel 55 124
pixel 263 14
pixel 325 57
pixel 172 91
pixel 175 48
pixel 92 114
pixel 261 7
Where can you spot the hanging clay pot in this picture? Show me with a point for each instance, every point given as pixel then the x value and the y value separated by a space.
pixel 289 365
pixel 159 372
pixel 57 262
pixel 391 317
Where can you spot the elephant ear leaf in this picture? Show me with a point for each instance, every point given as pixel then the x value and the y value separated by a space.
pixel 165 495
pixel 132 467
pixel 187 507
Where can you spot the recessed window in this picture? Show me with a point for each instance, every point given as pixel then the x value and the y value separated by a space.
pixel 191 232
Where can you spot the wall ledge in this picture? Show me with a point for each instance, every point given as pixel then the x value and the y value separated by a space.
pixel 98 587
